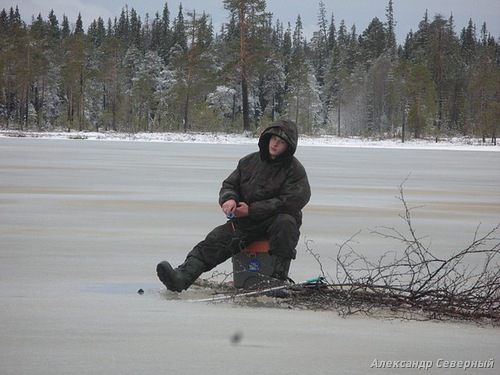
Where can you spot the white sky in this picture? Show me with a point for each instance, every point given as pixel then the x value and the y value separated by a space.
pixel 407 13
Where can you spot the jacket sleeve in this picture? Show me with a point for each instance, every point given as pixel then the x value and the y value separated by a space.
pixel 230 187
pixel 293 196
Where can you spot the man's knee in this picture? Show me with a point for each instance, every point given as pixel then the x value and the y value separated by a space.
pixel 285 221
pixel 219 245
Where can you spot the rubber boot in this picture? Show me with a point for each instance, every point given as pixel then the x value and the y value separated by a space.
pixel 182 277
pixel 281 266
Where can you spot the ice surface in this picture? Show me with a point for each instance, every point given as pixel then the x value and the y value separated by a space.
pixel 83 224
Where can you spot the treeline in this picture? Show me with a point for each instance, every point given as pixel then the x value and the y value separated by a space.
pixel 179 74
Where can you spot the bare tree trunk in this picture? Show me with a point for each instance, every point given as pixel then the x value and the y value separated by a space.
pixel 26 105
pixel 297 108
pixel 70 109
pixel 243 62
pixel 189 76
pixel 42 101
pixel 403 129
pixel 81 104
pixel 186 111
pixel 244 98
pixel 338 115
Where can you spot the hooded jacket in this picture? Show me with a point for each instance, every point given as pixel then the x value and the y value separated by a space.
pixel 270 186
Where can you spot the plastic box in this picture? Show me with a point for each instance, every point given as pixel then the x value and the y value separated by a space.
pixel 253 266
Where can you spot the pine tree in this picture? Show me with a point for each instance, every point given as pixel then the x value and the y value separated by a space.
pixel 421 92
pixel 443 61
pixel 4 22
pixel 96 32
pixel 110 63
pixel 73 77
pixel 468 43
pixel 197 63
pixel 135 29
pixel 249 14
pixel 320 41
pixel 179 31
pixel 266 70
pixel 44 45
pixel 166 35
pixel 161 35
pixel 303 91
pixel 122 27
pixel 373 42
pixel 484 89
pixel 79 25
pixel 15 63
pixel 390 31
pixel 65 30
pixel 54 34
pixel 332 36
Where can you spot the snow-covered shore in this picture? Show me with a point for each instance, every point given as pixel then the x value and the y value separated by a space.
pixel 469 144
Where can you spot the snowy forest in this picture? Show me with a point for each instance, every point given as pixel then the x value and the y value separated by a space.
pixel 174 72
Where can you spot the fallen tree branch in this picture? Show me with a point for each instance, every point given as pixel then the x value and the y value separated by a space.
pixel 464 285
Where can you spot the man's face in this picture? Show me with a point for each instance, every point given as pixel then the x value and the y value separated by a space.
pixel 277 146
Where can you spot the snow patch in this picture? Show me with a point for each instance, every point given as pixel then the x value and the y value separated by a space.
pixel 465 144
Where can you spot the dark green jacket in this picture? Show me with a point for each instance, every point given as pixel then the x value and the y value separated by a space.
pixel 268 186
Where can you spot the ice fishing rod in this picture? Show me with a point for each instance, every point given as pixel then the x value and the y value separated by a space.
pixel 317 281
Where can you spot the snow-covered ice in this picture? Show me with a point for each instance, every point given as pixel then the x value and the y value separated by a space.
pixel 83 224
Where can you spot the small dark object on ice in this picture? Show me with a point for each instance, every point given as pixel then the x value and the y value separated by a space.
pixel 236 338
pixel 141 291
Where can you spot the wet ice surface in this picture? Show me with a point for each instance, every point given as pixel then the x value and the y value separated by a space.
pixel 84 223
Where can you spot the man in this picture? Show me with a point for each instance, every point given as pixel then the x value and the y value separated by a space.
pixel 265 194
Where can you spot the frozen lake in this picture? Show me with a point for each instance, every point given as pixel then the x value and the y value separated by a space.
pixel 84 223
